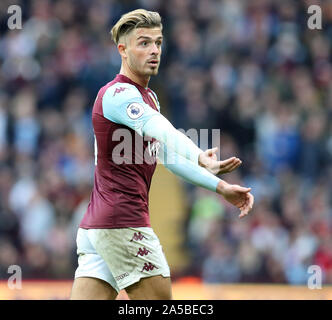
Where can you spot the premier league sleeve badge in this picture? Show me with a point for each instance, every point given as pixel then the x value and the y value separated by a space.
pixel 135 110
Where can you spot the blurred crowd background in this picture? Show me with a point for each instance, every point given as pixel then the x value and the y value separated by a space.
pixel 252 69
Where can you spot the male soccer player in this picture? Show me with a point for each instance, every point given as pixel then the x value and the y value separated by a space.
pixel 116 246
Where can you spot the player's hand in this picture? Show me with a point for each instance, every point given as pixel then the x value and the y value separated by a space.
pixel 237 196
pixel 208 160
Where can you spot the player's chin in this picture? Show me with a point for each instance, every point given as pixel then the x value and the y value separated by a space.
pixel 152 71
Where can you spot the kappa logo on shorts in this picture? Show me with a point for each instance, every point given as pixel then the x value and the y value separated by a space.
pixel 143 252
pixel 149 267
pixel 138 236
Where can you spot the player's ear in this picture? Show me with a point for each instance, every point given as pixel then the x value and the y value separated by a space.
pixel 122 49
pixel 123 45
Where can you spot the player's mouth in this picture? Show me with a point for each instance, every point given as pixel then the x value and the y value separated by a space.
pixel 153 63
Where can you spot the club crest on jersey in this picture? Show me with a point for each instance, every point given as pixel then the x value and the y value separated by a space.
pixel 135 110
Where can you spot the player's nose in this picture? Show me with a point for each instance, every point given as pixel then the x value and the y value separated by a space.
pixel 155 50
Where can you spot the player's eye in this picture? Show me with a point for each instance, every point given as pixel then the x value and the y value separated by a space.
pixel 144 43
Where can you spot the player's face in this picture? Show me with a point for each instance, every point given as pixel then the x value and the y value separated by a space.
pixel 144 51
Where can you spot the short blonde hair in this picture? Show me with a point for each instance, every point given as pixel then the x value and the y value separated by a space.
pixel 139 18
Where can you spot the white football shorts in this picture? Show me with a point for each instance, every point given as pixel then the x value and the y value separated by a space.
pixel 120 257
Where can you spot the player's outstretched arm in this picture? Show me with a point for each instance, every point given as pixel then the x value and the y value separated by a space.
pixel 162 130
pixel 122 103
pixel 193 173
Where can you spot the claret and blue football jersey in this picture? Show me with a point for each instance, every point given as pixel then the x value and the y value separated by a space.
pixel 122 179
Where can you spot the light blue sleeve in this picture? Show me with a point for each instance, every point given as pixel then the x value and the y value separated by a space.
pixel 187 170
pixel 123 104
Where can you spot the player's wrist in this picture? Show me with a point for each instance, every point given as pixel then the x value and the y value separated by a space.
pixel 221 187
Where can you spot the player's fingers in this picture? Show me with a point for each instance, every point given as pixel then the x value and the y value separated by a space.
pixel 244 204
pixel 245 209
pixel 243 214
pixel 212 151
pixel 241 204
pixel 248 206
pixel 231 162
pixel 227 162
pixel 233 166
pixel 251 201
pixel 242 189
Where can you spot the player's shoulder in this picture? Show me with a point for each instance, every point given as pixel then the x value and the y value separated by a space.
pixel 120 92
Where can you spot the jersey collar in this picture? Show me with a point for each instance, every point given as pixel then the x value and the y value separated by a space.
pixel 123 78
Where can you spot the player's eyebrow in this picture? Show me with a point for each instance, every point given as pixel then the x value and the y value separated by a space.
pixel 148 38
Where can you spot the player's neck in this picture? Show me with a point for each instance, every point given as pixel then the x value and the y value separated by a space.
pixel 142 81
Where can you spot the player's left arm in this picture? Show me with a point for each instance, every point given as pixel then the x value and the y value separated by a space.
pixel 122 103
pixel 206 159
pixel 195 174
